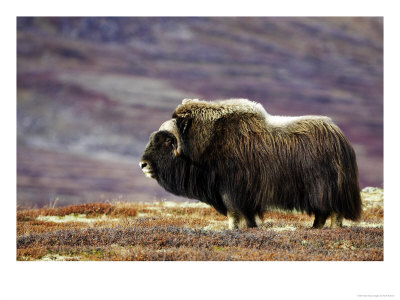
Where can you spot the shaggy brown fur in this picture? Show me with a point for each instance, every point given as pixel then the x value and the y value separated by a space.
pixel 238 158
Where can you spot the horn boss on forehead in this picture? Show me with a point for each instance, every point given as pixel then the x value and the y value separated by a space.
pixel 238 158
pixel 171 127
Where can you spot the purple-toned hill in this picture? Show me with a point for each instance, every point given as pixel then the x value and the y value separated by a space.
pixel 91 90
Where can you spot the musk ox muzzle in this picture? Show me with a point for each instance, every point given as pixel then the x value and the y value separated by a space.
pixel 243 161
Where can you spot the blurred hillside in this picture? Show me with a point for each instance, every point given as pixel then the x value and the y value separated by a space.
pixel 91 90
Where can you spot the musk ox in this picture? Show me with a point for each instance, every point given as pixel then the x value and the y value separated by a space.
pixel 241 160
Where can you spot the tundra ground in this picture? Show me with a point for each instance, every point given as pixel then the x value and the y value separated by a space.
pixel 192 231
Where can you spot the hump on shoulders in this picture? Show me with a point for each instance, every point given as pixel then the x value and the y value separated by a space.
pixel 285 121
pixel 209 110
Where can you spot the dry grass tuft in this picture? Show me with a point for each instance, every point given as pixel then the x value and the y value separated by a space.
pixel 90 210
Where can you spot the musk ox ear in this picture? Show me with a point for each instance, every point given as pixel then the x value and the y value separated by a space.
pixel 171 127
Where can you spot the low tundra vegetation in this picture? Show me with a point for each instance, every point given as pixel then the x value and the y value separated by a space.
pixel 191 231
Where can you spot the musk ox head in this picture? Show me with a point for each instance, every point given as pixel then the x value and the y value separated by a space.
pixel 163 147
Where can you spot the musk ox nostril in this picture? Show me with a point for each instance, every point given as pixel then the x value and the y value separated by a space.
pixel 143 165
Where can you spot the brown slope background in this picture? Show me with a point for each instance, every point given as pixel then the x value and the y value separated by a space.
pixel 91 90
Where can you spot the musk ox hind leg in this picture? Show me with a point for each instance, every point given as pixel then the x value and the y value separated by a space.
pixel 336 220
pixel 320 219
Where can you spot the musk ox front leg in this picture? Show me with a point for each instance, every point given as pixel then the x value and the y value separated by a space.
pixel 235 220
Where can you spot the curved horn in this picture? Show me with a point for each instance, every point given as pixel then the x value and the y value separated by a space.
pixel 171 127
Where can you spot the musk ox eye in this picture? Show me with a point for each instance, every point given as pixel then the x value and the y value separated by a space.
pixel 167 142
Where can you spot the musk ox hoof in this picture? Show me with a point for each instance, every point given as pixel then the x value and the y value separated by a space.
pixel 319 220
